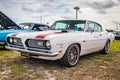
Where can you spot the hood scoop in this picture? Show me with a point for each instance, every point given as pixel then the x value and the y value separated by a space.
pixel 64 30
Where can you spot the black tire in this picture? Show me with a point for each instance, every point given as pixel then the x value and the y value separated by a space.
pixel 71 57
pixel 3 47
pixel 105 50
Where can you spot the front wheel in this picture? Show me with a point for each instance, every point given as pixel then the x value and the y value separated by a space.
pixel 71 57
pixel 106 48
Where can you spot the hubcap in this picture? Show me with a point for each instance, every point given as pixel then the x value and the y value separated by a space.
pixel 73 55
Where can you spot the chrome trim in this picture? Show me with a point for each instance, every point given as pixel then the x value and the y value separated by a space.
pixel 39 50
pixel 2 43
pixel 16 46
pixel 34 52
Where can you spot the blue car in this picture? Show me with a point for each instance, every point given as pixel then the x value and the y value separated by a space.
pixel 7 26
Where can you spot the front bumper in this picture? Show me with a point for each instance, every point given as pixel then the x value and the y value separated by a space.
pixel 36 54
pixel 2 43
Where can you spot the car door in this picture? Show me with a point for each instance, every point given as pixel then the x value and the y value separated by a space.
pixel 94 36
pixel 101 36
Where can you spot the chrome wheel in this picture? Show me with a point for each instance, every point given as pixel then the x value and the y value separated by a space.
pixel 73 55
pixel 105 50
pixel 107 47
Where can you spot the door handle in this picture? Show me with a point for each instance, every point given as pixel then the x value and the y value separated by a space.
pixel 100 34
pixel 84 40
pixel 96 36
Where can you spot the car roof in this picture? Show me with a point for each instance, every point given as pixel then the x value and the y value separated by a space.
pixel 78 20
pixel 32 23
pixel 71 20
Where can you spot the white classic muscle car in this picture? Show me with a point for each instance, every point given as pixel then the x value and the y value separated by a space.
pixel 66 41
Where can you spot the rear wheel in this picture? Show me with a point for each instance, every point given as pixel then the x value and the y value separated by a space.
pixel 106 48
pixel 71 56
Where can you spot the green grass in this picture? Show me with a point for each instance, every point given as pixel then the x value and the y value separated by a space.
pixel 115 47
pixel 90 67
pixel 16 68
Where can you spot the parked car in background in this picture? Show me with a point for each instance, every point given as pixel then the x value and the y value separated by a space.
pixel 7 26
pixel 66 41
pixel 111 34
pixel 34 26
pixel 25 27
pixel 117 35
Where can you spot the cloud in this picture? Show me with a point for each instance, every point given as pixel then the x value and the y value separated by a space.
pixel 32 8
pixel 103 11
pixel 119 1
pixel 99 5
pixel 103 5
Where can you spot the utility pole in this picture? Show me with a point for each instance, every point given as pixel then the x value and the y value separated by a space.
pixel 76 8
pixel 41 19
pixel 119 27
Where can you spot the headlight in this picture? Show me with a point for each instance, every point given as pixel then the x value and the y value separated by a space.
pixel 10 40
pixel 39 43
pixel 47 44
pixel 15 40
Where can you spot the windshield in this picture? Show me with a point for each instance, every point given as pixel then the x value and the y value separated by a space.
pixel 69 25
pixel 26 26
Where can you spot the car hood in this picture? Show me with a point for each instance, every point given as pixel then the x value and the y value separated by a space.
pixel 47 35
pixel 6 22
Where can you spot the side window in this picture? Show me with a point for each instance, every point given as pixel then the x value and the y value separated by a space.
pixel 94 27
pixel 90 27
pixel 80 26
pixel 98 28
pixel 36 27
pixel 43 27
pixel 40 27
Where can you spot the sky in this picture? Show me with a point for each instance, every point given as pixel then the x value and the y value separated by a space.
pixel 105 12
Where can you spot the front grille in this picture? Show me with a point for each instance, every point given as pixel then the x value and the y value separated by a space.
pixel 33 43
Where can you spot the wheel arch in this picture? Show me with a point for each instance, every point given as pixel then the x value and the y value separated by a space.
pixel 109 40
pixel 79 45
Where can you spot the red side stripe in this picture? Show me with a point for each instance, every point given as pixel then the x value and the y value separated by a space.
pixel 44 35
pixel 13 35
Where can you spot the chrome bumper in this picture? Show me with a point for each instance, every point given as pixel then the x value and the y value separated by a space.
pixel 41 55
pixel 2 43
